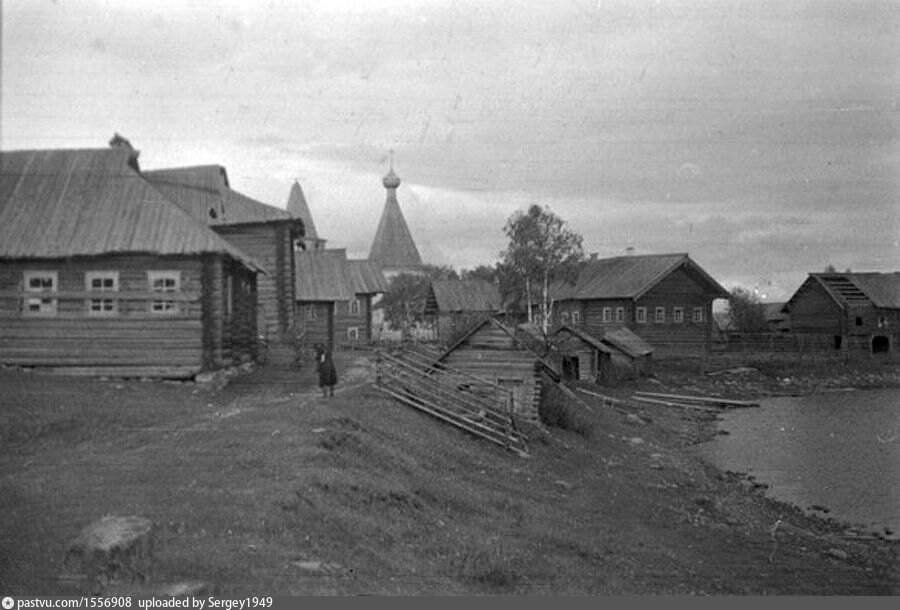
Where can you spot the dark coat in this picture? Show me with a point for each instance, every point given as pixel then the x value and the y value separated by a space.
pixel 325 368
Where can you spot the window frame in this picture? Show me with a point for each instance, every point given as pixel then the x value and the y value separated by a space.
pixel 659 315
pixel 353 333
pixel 163 306
pixel 576 317
pixel 640 315
pixel 697 315
pixel 678 315
pixel 620 314
pixel 89 277
pixel 52 303
pixel 355 308
pixel 607 314
pixel 311 312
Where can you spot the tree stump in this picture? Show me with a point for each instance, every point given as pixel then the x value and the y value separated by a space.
pixel 113 549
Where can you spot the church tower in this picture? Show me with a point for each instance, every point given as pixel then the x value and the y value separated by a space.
pixel 393 248
pixel 298 208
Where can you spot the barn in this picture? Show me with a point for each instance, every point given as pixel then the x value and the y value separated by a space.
pixel 618 355
pixel 491 351
pixel 102 274
pixel 453 305
pixel 856 312
pixel 665 299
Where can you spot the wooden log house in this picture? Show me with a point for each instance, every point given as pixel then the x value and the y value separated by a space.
pixel 262 231
pixel 334 298
pixel 491 351
pixel 665 299
pixel 855 312
pixel 101 274
pixel 618 355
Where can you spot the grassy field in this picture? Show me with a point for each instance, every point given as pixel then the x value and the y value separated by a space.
pixel 263 487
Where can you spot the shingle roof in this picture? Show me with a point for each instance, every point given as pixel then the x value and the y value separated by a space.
pixel 629 277
pixel 393 246
pixel 86 202
pixel 627 341
pixel 298 208
pixel 366 277
pixel 322 275
pixel 465 295
pixel 205 188
pixel 882 289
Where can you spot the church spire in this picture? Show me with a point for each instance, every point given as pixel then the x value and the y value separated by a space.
pixel 393 247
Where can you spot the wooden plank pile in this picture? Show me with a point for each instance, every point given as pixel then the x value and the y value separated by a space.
pixel 697 403
pixel 467 402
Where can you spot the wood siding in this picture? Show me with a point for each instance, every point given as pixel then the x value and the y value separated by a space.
pixel 317 328
pixel 490 354
pixel 344 320
pixel 679 289
pixel 270 246
pixel 133 336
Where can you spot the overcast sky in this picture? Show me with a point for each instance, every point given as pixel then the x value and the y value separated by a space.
pixel 760 137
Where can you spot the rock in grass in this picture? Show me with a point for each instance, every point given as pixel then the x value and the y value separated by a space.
pixel 113 549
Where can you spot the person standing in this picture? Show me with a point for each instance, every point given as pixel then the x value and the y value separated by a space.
pixel 327 372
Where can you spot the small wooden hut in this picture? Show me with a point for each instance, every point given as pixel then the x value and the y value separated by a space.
pixel 619 354
pixel 454 305
pixel 491 351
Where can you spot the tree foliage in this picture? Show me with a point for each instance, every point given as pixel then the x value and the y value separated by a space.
pixel 541 250
pixel 404 303
pixel 746 312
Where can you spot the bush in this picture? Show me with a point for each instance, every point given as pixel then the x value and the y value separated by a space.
pixel 556 409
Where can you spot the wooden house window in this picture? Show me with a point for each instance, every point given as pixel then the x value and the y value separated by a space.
pixel 311 313
pixel 353 333
pixel 38 284
pixel 564 317
pixel 659 315
pixel 102 281
pixel 576 317
pixel 698 314
pixel 164 282
pixel 607 314
pixel 355 307
pixel 678 315
pixel 620 314
pixel 640 315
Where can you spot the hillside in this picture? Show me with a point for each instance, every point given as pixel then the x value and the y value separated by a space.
pixel 265 488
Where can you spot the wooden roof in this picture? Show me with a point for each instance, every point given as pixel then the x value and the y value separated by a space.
pixel 204 192
pixel 620 339
pixel 88 202
pixel 327 275
pixel 880 290
pixel 393 246
pixel 366 277
pixel 463 295
pixel 630 277
pixel 298 208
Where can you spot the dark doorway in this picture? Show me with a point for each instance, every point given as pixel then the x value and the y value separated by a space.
pixel 838 339
pixel 881 344
pixel 570 367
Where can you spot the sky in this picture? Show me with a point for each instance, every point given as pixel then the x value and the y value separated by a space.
pixel 760 137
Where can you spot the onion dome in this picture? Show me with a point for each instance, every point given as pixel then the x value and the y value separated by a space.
pixel 391 180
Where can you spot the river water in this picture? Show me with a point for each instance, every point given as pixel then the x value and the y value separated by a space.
pixel 838 450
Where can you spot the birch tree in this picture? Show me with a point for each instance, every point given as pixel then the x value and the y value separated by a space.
pixel 541 250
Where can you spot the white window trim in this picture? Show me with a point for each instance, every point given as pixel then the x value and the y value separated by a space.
pixel 678 315
pixel 697 315
pixel 355 307
pixel 164 306
pixel 51 304
pixel 659 315
pixel 564 317
pixel 607 314
pixel 640 315
pixel 620 314
pixel 353 333
pixel 576 317
pixel 89 278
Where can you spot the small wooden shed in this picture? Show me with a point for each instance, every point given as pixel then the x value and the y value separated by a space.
pixel 619 354
pixel 491 351
pixel 453 305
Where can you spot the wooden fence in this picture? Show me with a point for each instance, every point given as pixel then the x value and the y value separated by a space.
pixel 475 405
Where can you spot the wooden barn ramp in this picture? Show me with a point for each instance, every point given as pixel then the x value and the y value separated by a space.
pixel 475 405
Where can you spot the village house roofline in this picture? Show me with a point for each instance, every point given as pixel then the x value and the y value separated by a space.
pixel 629 277
pixel 465 295
pixel 882 289
pixel 201 188
pixel 327 275
pixel 93 202
pixel 619 339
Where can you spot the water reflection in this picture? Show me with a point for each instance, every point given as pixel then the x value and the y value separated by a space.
pixel 839 450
